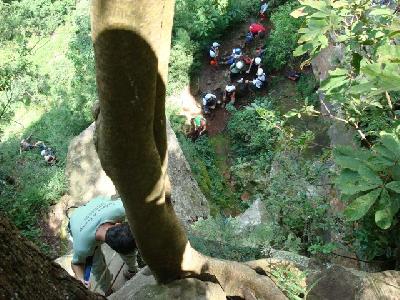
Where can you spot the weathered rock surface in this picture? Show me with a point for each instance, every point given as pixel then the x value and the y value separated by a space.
pixel 255 215
pixel 337 282
pixel 144 286
pixel 87 179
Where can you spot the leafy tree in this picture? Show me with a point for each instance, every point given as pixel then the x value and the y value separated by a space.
pixel 364 87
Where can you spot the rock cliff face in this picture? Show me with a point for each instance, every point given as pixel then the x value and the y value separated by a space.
pixel 87 178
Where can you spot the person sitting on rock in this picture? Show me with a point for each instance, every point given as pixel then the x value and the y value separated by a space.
pixel 259 82
pixel 235 70
pixel 229 94
pixel 209 102
pixel 199 127
pixel 91 225
pixel 255 64
pixel 214 53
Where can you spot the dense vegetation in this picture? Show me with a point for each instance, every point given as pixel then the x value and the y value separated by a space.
pixel 273 154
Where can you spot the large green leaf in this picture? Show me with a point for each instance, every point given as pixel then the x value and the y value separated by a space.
pixel 350 183
pixel 319 5
pixel 380 163
pixel 394 186
pixel 391 143
pixel 385 152
pixel 387 209
pixel 370 177
pixel 346 157
pixel 360 206
pixel 300 12
pixel 381 12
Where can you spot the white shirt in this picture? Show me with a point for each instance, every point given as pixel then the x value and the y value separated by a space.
pixel 230 88
pixel 261 77
pixel 208 97
pixel 258 83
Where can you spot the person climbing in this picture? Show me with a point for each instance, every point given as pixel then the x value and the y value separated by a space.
pixel 235 70
pixel 198 128
pixel 91 225
pixel 209 102
pixel 255 64
pixel 259 82
pixel 214 53
pixel 257 30
pixel 263 10
pixel 229 94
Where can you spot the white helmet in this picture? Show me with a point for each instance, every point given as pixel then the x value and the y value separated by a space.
pixel 239 65
pixel 257 60
pixel 260 71
pixel 215 45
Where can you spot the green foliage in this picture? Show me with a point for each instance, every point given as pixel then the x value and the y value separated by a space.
pixel 283 38
pixel 365 86
pixel 290 280
pixel 306 88
pixel 370 181
pixel 295 197
pixel 223 238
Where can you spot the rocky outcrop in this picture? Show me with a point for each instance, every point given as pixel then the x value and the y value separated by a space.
pixel 87 179
pixel 337 282
pixel 144 286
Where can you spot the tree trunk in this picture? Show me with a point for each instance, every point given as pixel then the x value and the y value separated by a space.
pixel 131 42
pixel 26 273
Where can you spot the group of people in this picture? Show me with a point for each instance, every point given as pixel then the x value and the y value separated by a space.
pixel 240 65
pixel 46 152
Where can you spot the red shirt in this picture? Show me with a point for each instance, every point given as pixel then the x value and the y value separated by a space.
pixel 256 28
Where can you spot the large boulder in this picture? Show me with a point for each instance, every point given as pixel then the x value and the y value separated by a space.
pixel 336 282
pixel 87 178
pixel 144 286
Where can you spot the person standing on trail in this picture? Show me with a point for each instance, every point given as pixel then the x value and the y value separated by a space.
pixel 91 225
pixel 263 10
pixel 259 82
pixel 257 30
pixel 199 127
pixel 214 53
pixel 229 94
pixel 235 70
pixel 255 64
pixel 209 102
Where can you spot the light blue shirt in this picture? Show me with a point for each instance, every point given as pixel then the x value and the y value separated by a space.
pixel 85 221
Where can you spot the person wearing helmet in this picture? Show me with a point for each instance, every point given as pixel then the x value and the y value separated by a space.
pixel 255 64
pixel 235 70
pixel 214 53
pixel 209 102
pixel 229 94
pixel 260 80
pixel 234 57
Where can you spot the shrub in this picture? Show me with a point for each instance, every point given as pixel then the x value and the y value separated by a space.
pixel 283 38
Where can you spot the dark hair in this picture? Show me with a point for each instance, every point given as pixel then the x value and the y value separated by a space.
pixel 120 238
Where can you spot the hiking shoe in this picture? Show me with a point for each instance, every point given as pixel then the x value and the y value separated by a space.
pixel 129 274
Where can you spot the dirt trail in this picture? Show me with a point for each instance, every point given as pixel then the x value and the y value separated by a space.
pixel 213 79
